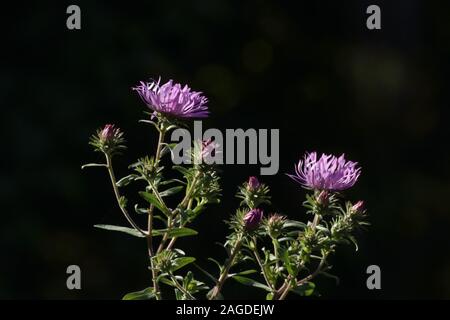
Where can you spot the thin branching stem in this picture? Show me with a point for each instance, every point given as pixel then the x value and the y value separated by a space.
pixel 150 221
pixel 224 274
pixel 118 197
pixel 263 269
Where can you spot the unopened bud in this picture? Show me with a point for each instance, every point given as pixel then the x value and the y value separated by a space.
pixel 323 198
pixel 275 224
pixel 358 207
pixel 253 183
pixel 108 132
pixel 253 219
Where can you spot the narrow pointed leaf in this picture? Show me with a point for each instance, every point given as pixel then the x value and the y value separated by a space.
pixel 145 294
pixel 171 191
pixel 252 283
pixel 153 200
pixel 305 289
pixel 181 262
pixel 127 230
pixel 178 232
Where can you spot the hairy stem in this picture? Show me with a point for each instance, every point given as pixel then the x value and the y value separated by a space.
pixel 150 224
pixel 284 290
pixel 118 197
pixel 315 221
pixel 174 239
pixel 263 269
pixel 184 203
pixel 180 287
pixel 224 274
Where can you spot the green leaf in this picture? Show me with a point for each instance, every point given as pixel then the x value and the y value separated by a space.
pixel 285 239
pixel 169 282
pixel 182 232
pixel 167 148
pixel 217 263
pixel 187 279
pixel 209 275
pixel 171 191
pixel 294 223
pixel 140 210
pixel 243 273
pixel 150 122
pixel 305 289
pixel 177 232
pixel 130 231
pixel 252 283
pixel 353 240
pixel 269 296
pixel 154 201
pixel 181 169
pixel 178 294
pixel 126 180
pixel 145 294
pixel 93 165
pixel 179 263
pixel 166 182
pixel 287 263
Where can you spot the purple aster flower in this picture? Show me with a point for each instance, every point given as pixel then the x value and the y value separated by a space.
pixel 173 99
pixel 326 173
pixel 252 219
pixel 253 183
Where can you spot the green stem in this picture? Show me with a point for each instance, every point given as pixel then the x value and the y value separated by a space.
pixel 150 223
pixel 276 251
pixel 263 269
pixel 224 274
pixel 150 255
pixel 174 239
pixel 118 197
pixel 315 221
pixel 284 290
pixel 166 235
pixel 184 203
pixel 180 287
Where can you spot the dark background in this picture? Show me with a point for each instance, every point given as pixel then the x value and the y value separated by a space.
pixel 311 69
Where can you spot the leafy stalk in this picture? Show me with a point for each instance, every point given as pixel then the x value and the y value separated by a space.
pixel 158 294
pixel 224 274
pixel 119 199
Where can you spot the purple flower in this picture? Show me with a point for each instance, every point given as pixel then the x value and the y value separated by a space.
pixel 326 173
pixel 108 132
pixel 253 183
pixel 252 219
pixel 173 99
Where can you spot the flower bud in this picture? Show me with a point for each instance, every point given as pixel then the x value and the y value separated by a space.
pixel 276 220
pixel 253 183
pixel 108 133
pixel 253 219
pixel 323 198
pixel 108 139
pixel 275 225
pixel 358 207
